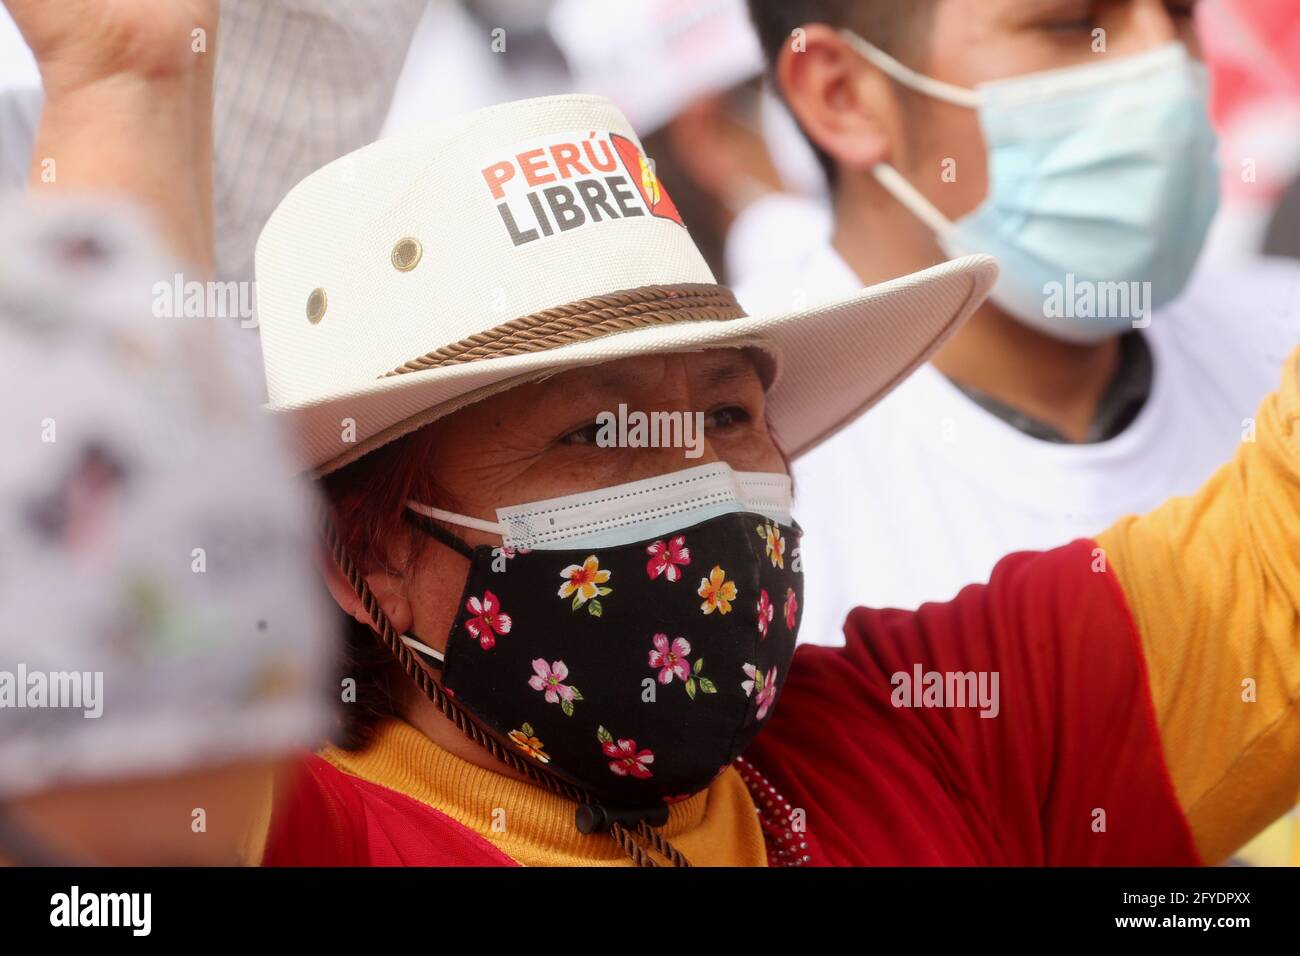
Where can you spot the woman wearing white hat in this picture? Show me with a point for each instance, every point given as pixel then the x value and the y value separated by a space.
pixel 492 341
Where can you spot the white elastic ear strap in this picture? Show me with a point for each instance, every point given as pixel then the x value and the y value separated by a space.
pixel 911 197
pixel 888 177
pixel 463 521
pixel 948 92
pixel 423 648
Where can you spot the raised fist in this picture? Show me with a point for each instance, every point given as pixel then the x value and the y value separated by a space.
pixel 78 42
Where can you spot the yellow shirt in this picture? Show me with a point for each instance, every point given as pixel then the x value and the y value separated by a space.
pixel 717 827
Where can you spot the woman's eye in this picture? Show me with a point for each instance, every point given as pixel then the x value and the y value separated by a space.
pixel 1070 18
pixel 1077 25
pixel 586 435
pixel 727 417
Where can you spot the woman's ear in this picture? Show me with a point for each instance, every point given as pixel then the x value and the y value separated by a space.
pixel 844 104
pixel 388 588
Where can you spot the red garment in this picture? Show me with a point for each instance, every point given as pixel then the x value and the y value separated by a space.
pixel 880 784
pixel 335 819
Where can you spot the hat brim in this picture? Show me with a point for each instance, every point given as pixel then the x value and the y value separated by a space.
pixel 831 364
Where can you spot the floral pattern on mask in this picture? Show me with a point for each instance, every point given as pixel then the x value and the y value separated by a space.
pixel 760 686
pixel 584 582
pixel 765 612
pixel 717 591
pixel 670 659
pixel 527 741
pixel 775 544
pixel 668 558
pixel 651 745
pixel 487 621
pixel 625 758
pixel 549 679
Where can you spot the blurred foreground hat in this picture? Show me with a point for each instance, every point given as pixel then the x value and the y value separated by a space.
pixel 426 271
pixel 161 608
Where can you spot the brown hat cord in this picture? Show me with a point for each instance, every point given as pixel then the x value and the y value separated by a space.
pixel 587 319
pixel 450 709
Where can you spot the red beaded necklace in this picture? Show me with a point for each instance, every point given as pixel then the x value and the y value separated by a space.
pixel 785 845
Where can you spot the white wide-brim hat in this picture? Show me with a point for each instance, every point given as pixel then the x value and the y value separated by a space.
pixel 427 271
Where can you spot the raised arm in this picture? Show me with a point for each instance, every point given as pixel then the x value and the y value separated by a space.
pixel 131 107
pixel 1213 583
pixel 1143 691
pixel 128 107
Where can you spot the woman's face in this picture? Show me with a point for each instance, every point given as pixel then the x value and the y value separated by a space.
pixel 538 441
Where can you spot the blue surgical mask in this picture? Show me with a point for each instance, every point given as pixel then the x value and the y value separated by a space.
pixel 1103 181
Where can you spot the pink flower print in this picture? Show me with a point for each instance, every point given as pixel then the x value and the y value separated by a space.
pixel 668 558
pixel 671 658
pixel 549 679
pixel 760 686
pixel 506 551
pixel 791 607
pixel 624 757
pixel 488 621
pixel 765 612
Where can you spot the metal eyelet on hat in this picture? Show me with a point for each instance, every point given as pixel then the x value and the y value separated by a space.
pixel 316 305
pixel 406 254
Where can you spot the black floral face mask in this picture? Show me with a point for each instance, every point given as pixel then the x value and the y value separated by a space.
pixel 637 672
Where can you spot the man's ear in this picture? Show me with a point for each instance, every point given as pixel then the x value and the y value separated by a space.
pixel 388 588
pixel 845 105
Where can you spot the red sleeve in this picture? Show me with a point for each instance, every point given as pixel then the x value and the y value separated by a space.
pixel 330 818
pixel 1069 771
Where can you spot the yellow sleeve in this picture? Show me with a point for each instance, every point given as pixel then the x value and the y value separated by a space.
pixel 253 845
pixel 1276 846
pixel 1213 582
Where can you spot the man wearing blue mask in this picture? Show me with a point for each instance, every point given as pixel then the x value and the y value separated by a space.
pixel 1071 140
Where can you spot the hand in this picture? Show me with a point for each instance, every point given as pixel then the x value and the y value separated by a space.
pixel 128 106
pixel 80 42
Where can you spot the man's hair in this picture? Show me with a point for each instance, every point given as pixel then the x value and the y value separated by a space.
pixel 899 27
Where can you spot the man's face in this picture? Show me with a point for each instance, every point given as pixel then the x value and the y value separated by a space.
pixel 977 41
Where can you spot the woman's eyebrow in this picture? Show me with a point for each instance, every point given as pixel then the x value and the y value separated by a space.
pixel 618 380
pixel 730 371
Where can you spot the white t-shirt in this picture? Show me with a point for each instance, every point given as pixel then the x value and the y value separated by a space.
pixel 924 493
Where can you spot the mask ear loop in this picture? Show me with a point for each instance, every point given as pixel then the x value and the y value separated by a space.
pixel 466 724
pixel 890 178
pixel 897 70
pixel 436 531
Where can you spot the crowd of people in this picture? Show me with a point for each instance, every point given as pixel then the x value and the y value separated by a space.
pixel 958 526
